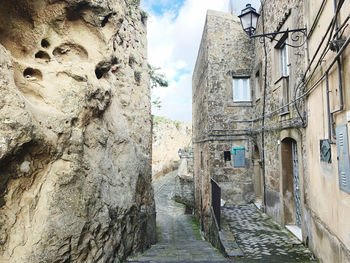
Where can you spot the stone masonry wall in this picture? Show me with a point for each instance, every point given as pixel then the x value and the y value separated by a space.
pixel 75 164
pixel 230 55
pixel 221 57
pixel 199 130
pixel 279 124
pixel 184 188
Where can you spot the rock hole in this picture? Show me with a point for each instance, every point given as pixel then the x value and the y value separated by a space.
pixel 99 72
pixel 102 68
pixel 42 55
pixel 74 121
pixel 114 60
pixel 32 74
pixel 45 43
pixel 105 20
pixel 137 76
pixel 132 60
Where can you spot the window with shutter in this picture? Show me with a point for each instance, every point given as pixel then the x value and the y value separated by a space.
pixel 343 158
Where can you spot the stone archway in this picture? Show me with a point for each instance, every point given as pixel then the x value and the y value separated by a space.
pixel 290 182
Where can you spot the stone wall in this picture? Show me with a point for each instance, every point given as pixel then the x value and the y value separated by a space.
pixel 280 122
pixel 168 137
pixel 184 186
pixel 221 57
pixel 75 161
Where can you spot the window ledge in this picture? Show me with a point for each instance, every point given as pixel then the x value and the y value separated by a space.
pixel 281 78
pixel 240 104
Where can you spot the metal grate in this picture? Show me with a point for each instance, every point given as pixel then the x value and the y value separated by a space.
pixel 325 151
pixel 216 200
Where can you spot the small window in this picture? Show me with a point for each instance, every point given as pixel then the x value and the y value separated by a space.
pixel 241 89
pixel 202 160
pixel 284 59
pixel 257 86
pixel 325 151
pixel 285 94
pixel 227 156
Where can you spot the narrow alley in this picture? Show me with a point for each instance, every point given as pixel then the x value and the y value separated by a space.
pixel 179 239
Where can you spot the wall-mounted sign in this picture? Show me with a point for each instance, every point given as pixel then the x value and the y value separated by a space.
pixel 238 156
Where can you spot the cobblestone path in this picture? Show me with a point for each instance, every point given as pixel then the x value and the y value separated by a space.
pixel 179 240
pixel 262 239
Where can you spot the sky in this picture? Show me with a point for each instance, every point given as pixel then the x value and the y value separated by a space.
pixel 174 33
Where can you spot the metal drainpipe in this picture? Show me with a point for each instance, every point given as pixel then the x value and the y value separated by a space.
pixel 341 99
pixel 264 108
pixel 328 110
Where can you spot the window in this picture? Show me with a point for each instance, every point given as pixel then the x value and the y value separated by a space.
pixel 257 86
pixel 202 160
pixel 285 94
pixel 325 151
pixel 284 59
pixel 282 75
pixel 241 89
pixel 227 156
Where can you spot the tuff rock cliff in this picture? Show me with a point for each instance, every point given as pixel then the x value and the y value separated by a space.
pixel 168 137
pixel 75 131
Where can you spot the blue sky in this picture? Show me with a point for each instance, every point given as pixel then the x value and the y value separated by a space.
pixel 174 33
pixel 160 7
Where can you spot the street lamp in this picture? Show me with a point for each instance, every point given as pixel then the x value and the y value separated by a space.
pixel 249 20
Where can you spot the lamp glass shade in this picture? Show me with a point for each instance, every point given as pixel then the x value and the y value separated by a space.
pixel 249 19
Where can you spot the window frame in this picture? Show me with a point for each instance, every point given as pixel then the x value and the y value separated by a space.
pixel 284 59
pixel 245 96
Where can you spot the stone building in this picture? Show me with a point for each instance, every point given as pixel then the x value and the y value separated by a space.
pixel 75 131
pixel 223 59
pixel 279 125
pixel 297 122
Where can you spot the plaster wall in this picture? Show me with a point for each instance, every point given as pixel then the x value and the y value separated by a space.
pixel 329 206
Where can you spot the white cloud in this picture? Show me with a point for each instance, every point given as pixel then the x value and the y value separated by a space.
pixel 173 42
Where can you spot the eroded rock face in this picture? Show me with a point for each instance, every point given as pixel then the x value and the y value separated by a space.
pixel 75 131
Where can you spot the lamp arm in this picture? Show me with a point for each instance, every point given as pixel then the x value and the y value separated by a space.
pixel 302 30
pixel 294 36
